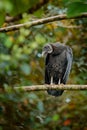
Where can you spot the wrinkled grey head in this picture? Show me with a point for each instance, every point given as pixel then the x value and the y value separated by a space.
pixel 47 49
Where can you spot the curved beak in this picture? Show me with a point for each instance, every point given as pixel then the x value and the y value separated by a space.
pixel 44 53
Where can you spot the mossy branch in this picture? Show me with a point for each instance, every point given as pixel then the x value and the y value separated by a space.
pixel 40 21
pixel 46 87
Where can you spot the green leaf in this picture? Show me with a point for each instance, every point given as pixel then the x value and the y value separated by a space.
pixel 25 68
pixel 32 96
pixel 2 17
pixel 20 6
pixel 40 106
pixel 8 43
pixel 1 128
pixel 56 117
pixel 76 9
pixel 47 120
pixel 40 39
pixel 39 13
pixel 7 6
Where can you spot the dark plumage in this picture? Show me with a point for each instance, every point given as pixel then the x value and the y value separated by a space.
pixel 57 65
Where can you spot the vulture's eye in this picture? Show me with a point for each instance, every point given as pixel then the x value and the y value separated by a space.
pixel 48 49
pixel 45 47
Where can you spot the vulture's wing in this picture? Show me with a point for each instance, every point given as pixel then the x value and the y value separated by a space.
pixel 47 81
pixel 69 57
pixel 47 59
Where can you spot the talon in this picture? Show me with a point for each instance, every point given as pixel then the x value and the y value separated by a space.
pixel 59 82
pixel 51 80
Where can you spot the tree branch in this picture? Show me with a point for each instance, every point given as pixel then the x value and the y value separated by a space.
pixel 40 21
pixel 46 87
pixel 70 26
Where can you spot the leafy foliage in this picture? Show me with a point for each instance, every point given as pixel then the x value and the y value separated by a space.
pixel 21 64
pixel 73 9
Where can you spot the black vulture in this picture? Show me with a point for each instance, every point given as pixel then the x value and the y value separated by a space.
pixel 57 65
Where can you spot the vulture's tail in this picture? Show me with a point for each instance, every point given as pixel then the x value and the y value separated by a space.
pixel 55 92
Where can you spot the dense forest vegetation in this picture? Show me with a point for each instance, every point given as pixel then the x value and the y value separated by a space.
pixel 21 64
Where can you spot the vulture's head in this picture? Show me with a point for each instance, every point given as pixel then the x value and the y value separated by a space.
pixel 47 49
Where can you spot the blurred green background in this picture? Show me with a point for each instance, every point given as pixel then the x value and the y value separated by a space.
pixel 21 64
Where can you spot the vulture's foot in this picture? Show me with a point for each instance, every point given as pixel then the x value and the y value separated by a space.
pixel 59 81
pixel 51 80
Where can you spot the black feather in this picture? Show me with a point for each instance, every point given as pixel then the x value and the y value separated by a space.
pixel 58 65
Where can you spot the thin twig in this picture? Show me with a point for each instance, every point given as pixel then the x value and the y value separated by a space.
pixel 40 21
pixel 70 26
